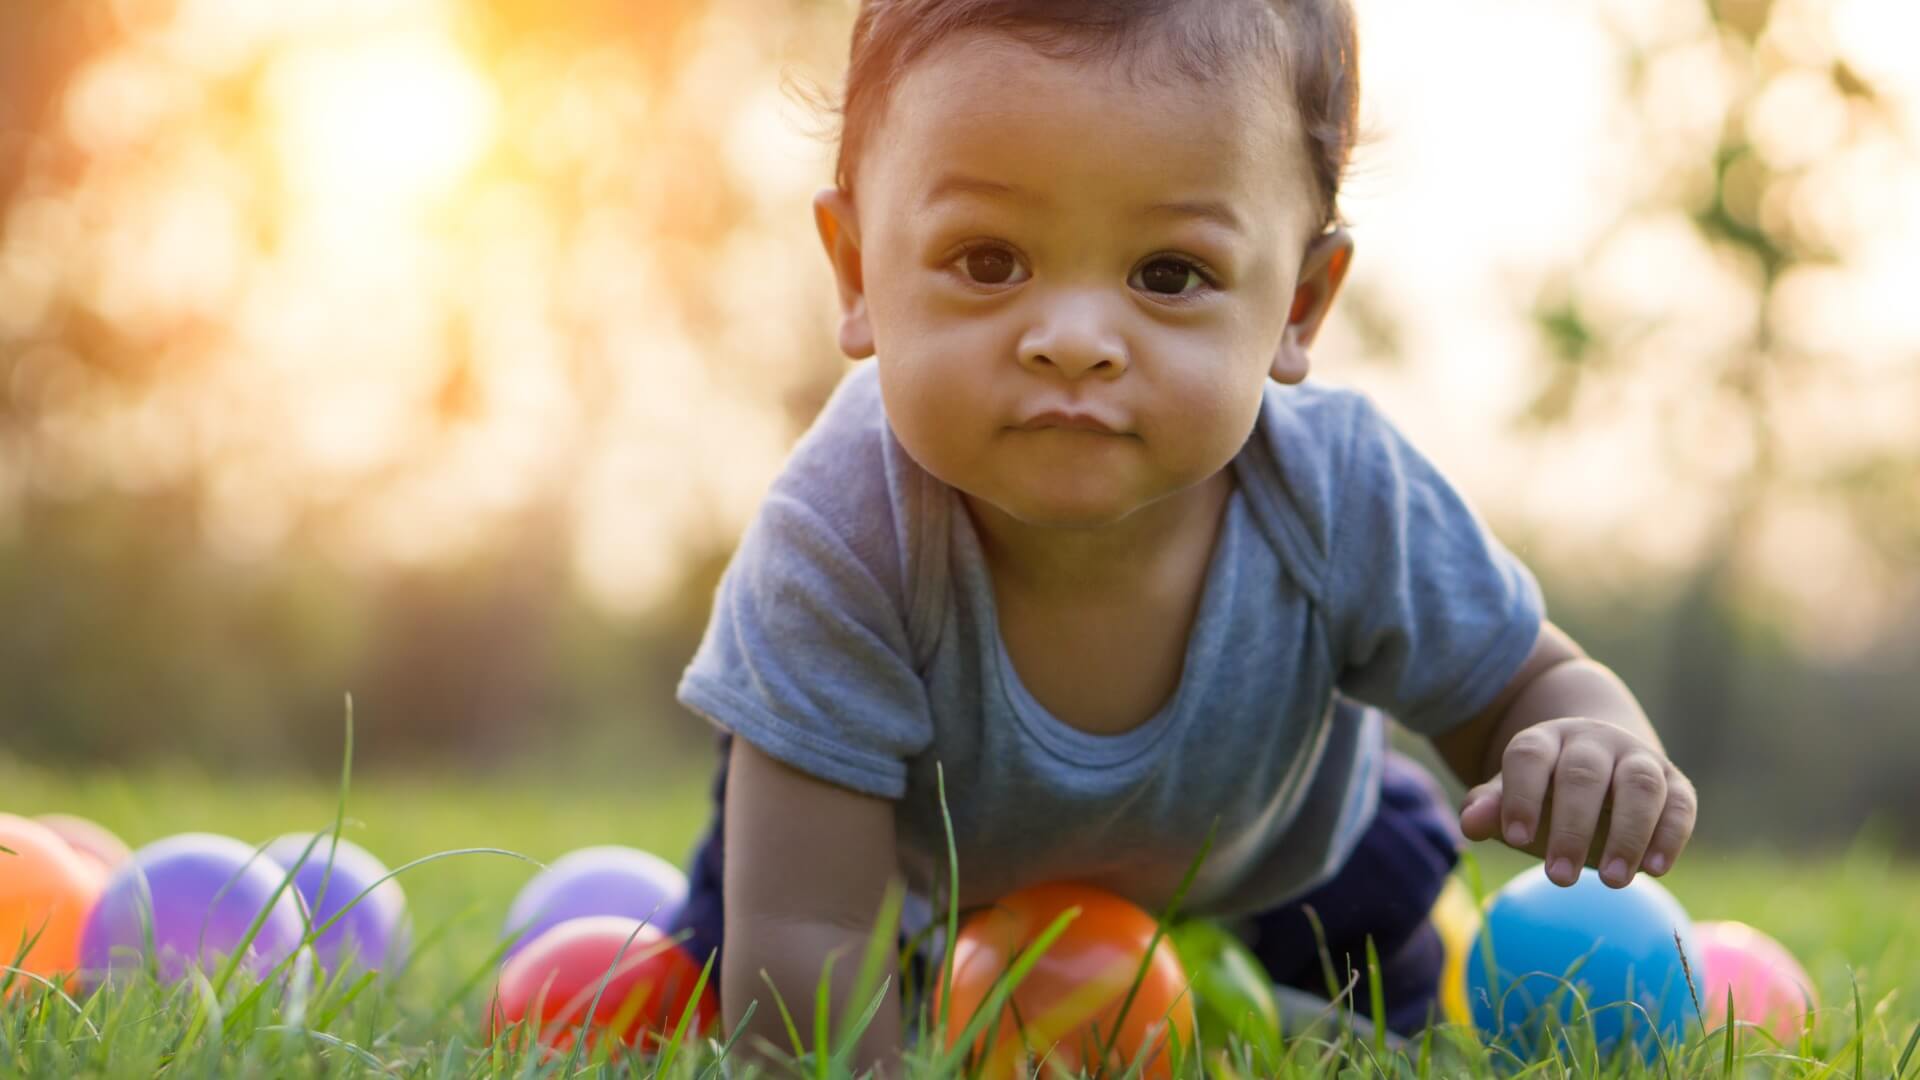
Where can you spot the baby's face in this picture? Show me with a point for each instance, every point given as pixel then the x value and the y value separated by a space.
pixel 1039 235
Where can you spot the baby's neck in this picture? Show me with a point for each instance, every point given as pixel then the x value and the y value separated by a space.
pixel 1089 562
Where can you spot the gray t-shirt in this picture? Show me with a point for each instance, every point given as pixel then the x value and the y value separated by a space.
pixel 854 637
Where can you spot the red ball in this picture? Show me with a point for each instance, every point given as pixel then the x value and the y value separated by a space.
pixel 556 975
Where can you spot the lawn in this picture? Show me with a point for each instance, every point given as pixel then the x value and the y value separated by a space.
pixel 1852 916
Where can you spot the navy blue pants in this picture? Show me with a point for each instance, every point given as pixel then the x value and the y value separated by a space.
pixel 1385 890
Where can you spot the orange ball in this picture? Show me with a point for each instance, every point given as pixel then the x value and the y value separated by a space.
pixel 1069 1003
pixel 46 891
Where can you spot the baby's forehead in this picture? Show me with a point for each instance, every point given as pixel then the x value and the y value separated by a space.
pixel 988 106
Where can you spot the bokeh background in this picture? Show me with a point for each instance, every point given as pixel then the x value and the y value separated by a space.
pixel 439 352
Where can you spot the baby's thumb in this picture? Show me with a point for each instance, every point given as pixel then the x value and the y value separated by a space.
pixel 1480 811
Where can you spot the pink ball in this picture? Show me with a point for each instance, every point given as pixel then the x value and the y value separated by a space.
pixel 1770 988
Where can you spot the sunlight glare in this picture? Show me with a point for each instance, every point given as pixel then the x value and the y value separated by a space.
pixel 392 119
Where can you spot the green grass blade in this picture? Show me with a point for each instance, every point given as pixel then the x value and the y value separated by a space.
pixel 1376 1000
pixel 687 1014
pixel 593 1007
pixel 786 1015
pixel 53 988
pixel 1859 1029
pixel 1003 989
pixel 1726 1059
pixel 822 1004
pixel 880 945
pixel 1900 1070
pixel 1159 931
pixel 953 900
pixel 725 1049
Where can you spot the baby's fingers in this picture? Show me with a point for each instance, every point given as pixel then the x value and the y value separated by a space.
pixel 1639 799
pixel 1480 811
pixel 1526 768
pixel 1580 782
pixel 1676 825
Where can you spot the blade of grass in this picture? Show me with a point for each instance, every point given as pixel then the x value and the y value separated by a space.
pixel 687 1014
pixel 845 1050
pixel 1859 1029
pixel 266 979
pixel 822 1002
pixel 1726 1059
pixel 1376 1000
pixel 786 1016
pixel 1002 990
pixel 360 1052
pixel 953 899
pixel 1160 931
pixel 54 989
pixel 720 1055
pixel 593 1007
pixel 1900 1070
pixel 880 945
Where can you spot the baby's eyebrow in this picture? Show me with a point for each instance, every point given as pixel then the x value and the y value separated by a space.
pixel 951 185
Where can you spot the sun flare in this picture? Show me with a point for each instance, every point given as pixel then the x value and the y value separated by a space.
pixel 395 119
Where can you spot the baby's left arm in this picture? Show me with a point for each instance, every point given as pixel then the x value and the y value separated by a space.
pixel 1564 765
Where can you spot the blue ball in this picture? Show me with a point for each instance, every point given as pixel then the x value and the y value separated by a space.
pixel 1615 946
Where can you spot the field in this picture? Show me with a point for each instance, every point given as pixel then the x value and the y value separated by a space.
pixel 1852 916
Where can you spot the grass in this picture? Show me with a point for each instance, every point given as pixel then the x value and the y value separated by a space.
pixel 1851 916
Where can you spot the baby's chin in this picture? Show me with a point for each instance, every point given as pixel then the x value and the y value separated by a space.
pixel 1066 511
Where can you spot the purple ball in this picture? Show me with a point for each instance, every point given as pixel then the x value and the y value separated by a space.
pixel 203 891
pixel 373 934
pixel 608 880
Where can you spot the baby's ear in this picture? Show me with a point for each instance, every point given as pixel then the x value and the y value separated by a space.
pixel 1322 269
pixel 840 235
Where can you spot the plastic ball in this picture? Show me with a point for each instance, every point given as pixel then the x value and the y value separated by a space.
pixel 373 933
pixel 1232 991
pixel 46 890
pixel 554 979
pixel 1457 920
pixel 607 880
pixel 88 838
pixel 201 892
pixel 1076 987
pixel 1770 988
pixel 1617 947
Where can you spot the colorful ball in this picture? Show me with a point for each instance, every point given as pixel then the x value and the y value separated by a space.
pixel 373 933
pixel 200 892
pixel 1232 991
pixel 608 880
pixel 1457 920
pixel 1616 946
pixel 555 978
pixel 46 890
pixel 88 838
pixel 1069 1003
pixel 1770 988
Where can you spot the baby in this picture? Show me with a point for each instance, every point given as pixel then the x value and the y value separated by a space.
pixel 1083 539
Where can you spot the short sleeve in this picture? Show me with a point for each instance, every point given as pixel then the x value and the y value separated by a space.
pixel 806 655
pixel 1431 614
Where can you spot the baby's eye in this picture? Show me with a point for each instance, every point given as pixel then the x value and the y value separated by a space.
pixel 1169 277
pixel 989 264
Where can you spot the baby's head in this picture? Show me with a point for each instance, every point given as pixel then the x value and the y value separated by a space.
pixel 1124 211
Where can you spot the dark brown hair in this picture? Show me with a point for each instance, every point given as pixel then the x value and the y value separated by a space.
pixel 1304 47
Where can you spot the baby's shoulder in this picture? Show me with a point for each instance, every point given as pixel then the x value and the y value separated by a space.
pixel 1296 465
pixel 849 487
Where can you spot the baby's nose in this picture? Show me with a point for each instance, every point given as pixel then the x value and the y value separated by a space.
pixel 1074 336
